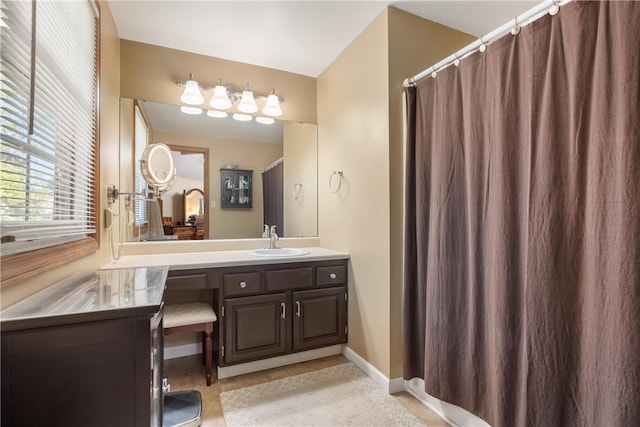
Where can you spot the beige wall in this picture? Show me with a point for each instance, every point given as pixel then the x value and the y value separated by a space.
pixel 353 135
pixel 300 167
pixel 360 132
pixel 149 72
pixel 230 223
pixel 109 138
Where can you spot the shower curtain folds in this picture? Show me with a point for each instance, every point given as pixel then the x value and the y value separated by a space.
pixel 522 253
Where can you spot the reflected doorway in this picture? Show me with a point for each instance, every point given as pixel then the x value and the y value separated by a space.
pixel 192 171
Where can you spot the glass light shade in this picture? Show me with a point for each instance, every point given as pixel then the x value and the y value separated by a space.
pixel 247 103
pixel 191 110
pixel 265 120
pixel 272 107
pixel 191 94
pixel 217 114
pixel 220 98
pixel 242 117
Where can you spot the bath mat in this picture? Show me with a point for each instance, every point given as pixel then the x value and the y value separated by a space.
pixel 341 395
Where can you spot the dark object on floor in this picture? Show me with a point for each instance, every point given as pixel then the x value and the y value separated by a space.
pixel 182 409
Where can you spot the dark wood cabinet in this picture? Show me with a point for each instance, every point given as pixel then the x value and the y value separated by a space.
pixel 236 188
pixel 86 352
pixel 320 317
pixel 75 375
pixel 185 232
pixel 276 309
pixel 255 327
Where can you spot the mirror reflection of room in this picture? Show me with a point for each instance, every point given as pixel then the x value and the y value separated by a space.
pixel 184 205
pixel 252 147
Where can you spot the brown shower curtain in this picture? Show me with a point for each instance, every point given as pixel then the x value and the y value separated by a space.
pixel 272 191
pixel 522 269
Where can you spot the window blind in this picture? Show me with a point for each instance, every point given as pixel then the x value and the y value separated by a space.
pixel 48 93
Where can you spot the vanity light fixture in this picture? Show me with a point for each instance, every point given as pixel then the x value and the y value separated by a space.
pixel 220 98
pixel 242 117
pixel 265 120
pixel 191 94
pixel 226 95
pixel 272 107
pixel 217 114
pixel 191 110
pixel 247 103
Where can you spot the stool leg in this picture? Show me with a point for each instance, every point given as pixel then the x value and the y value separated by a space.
pixel 204 350
pixel 207 351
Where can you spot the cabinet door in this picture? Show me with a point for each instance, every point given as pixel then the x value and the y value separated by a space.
pixel 319 318
pixel 255 327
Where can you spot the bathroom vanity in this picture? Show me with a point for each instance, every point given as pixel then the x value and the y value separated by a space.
pixel 273 309
pixel 86 351
pixel 266 306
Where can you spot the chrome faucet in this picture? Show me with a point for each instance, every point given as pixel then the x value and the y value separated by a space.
pixel 273 237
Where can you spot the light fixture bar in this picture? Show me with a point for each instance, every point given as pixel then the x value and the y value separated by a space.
pixel 232 90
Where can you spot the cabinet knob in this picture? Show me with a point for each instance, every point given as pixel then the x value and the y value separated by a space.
pixel 332 276
pixel 243 284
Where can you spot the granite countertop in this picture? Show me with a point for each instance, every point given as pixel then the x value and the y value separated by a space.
pixel 90 296
pixel 193 260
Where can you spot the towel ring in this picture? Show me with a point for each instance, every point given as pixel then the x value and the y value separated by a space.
pixel 340 175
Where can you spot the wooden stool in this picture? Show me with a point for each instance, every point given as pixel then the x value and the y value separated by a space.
pixel 192 317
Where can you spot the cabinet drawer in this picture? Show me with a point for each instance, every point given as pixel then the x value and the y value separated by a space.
pixel 331 275
pixel 293 278
pixel 241 283
pixel 182 282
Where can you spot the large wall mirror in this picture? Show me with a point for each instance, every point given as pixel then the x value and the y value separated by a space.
pixel 204 147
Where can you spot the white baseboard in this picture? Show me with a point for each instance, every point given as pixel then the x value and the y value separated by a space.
pixel 394 385
pixel 275 362
pixel 183 350
pixel 454 415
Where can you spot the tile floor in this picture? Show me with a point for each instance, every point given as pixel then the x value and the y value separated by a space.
pixel 187 373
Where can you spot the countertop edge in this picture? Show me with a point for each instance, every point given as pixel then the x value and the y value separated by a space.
pixel 215 259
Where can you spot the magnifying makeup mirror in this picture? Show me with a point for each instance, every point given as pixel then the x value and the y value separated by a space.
pixel 157 166
pixel 158 169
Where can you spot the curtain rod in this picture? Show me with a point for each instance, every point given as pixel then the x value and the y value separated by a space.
pixel 274 164
pixel 521 20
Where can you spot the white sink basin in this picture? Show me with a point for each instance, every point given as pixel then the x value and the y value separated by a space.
pixel 279 252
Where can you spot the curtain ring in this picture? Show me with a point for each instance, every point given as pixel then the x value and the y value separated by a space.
pixel 483 46
pixel 555 8
pixel 456 61
pixel 434 73
pixel 339 174
pixel 516 28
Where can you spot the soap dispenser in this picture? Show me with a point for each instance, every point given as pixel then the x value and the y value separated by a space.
pixel 265 233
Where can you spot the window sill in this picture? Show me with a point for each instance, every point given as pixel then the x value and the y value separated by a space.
pixel 18 267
